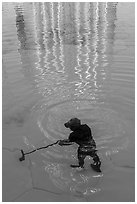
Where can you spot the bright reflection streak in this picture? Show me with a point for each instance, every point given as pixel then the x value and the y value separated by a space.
pixel 84 47
pixel 87 34
pixel 104 37
pixel 104 30
pixel 60 17
pixel 95 45
pixel 82 51
pixel 54 31
pixel 38 52
pixel 78 67
pixel 47 52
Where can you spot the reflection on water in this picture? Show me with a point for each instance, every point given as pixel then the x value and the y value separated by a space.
pixel 71 47
pixel 64 54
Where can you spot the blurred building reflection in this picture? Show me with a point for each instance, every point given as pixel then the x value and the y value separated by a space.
pixel 70 42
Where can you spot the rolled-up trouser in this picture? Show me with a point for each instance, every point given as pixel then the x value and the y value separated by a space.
pixel 87 150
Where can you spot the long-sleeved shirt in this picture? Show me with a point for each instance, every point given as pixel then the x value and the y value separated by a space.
pixel 82 136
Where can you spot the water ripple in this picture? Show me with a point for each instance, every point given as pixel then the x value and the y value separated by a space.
pixel 108 131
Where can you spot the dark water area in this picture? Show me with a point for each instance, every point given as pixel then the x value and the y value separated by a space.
pixel 62 60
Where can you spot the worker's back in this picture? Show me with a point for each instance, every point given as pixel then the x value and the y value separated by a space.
pixel 81 135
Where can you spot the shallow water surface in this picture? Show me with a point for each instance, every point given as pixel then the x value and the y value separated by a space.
pixel 64 60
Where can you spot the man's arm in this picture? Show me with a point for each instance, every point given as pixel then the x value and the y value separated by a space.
pixel 65 142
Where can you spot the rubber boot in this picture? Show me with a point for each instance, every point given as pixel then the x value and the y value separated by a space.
pixel 97 163
pixel 96 166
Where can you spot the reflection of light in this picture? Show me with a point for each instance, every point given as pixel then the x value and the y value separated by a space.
pixel 37 42
pixel 97 176
pixel 82 58
pixel 104 37
pixel 54 35
pixel 78 67
pixel 84 48
pixel 104 30
pixel 40 76
pixel 47 52
pixel 87 34
pixel 95 59
pixel 60 17
pixel 78 34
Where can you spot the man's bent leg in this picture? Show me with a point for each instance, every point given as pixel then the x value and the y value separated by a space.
pixel 97 163
pixel 81 161
pixel 81 158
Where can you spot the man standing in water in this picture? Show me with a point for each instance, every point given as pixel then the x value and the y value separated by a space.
pixel 81 134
